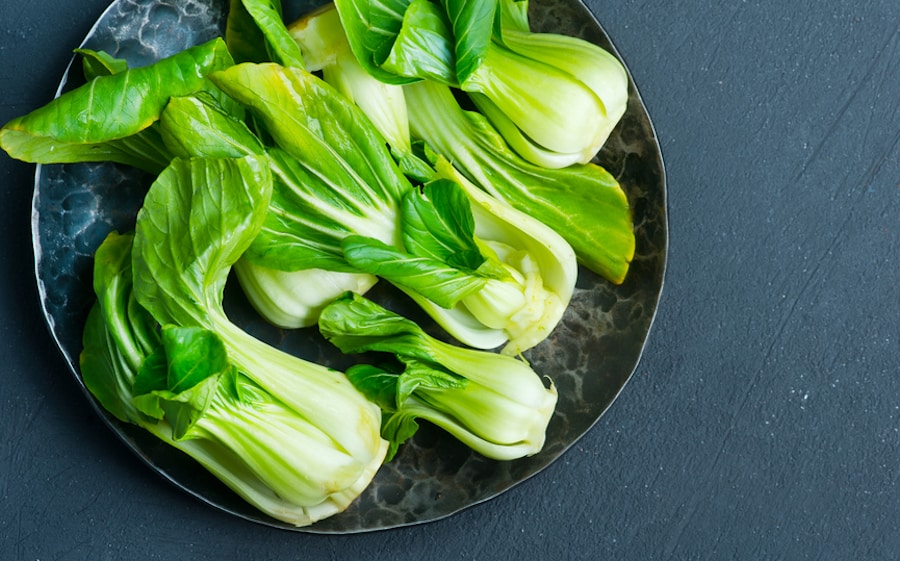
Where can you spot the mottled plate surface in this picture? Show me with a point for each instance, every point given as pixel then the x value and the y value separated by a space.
pixel 590 356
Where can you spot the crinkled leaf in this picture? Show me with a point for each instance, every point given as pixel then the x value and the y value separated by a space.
pixel 438 223
pixel 85 124
pixel 424 46
pixel 473 25
pixel 266 14
pixel 372 29
pixel 435 280
pixel 100 63
pixel 190 232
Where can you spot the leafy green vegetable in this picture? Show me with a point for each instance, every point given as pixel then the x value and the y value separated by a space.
pixel 513 15
pixel 100 63
pixel 423 48
pixel 196 126
pixel 324 44
pixel 188 234
pixel 584 203
pixel 547 101
pixel 305 198
pixel 495 404
pixel 472 25
pixel 586 62
pixel 255 32
pixel 517 282
pixel 243 36
pixel 345 206
pixel 190 382
pixel 293 437
pixel 118 334
pixel 372 29
pixel 158 380
pixel 97 121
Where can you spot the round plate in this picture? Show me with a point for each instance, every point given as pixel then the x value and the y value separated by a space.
pixel 590 356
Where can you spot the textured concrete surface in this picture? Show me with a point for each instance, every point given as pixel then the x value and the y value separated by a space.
pixel 763 421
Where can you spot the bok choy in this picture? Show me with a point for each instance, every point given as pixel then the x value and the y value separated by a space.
pixel 582 202
pixel 112 117
pixel 292 437
pixel 342 204
pixel 495 404
pixel 557 107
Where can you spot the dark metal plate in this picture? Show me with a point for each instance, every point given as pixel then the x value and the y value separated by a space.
pixel 590 356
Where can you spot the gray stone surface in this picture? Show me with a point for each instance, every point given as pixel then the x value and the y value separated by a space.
pixel 762 422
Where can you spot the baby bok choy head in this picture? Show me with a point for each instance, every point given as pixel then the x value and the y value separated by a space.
pixel 583 202
pixel 293 438
pixel 558 106
pixel 484 271
pixel 495 404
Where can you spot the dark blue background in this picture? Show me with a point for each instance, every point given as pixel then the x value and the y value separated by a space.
pixel 764 419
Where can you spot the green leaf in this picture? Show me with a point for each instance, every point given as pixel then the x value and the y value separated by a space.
pixel 266 14
pixel 355 324
pixel 435 280
pixel 438 224
pixel 196 126
pixel 179 381
pixel 420 375
pixel 91 123
pixel 397 429
pixel 310 120
pixel 105 371
pixel 100 63
pixel 150 379
pixel 118 334
pixel 191 230
pixel 194 354
pixel 372 28
pixel 583 203
pixel 336 174
pixel 378 384
pixel 513 14
pixel 244 37
pixel 424 46
pixel 473 25
pixel 315 204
